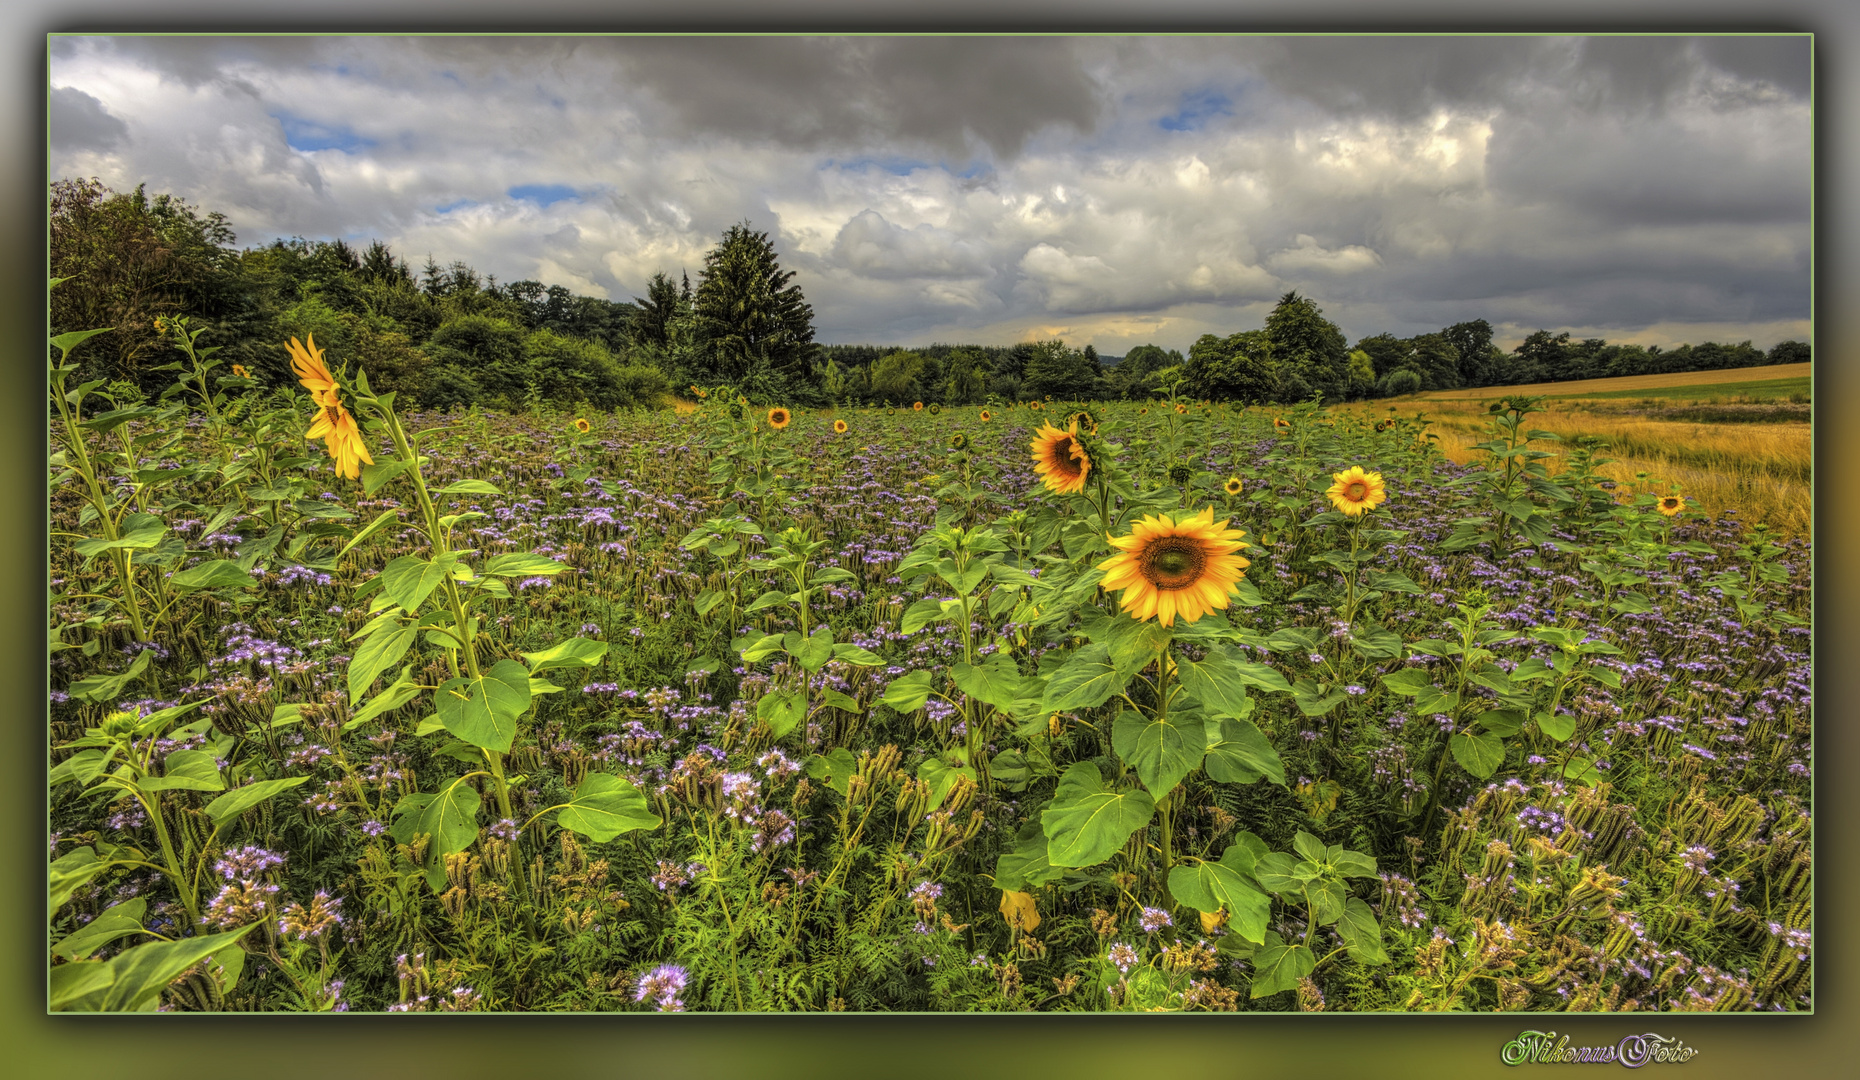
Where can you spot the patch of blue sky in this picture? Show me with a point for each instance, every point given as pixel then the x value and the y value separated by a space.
pixel 305 136
pixel 456 204
pixel 893 165
pixel 543 194
pixel 1198 107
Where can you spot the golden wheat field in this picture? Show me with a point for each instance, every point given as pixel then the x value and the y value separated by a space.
pixel 1579 387
pixel 1762 472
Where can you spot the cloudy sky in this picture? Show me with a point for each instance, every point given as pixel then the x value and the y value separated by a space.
pixel 1107 190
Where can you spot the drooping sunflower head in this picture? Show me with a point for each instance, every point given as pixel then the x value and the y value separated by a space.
pixel 987 416
pixel 1233 485
pixel 582 425
pixel 240 372
pixel 1671 505
pixel 1180 474
pixel 1170 568
pixel 917 406
pixel 839 426
pixel 779 417
pixel 1282 424
pixel 958 441
pixel 736 411
pixel 307 364
pixel 1355 491
pixel 1084 420
pixel 1060 459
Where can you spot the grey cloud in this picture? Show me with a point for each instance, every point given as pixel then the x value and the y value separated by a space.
pixel 874 247
pixel 1783 62
pixel 943 94
pixel 80 122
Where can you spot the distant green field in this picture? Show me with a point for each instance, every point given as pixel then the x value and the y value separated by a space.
pixel 1761 390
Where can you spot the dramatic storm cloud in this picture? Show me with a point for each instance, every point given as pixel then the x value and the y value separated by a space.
pixel 1106 190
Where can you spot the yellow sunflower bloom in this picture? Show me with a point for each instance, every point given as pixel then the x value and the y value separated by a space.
pixel 1233 485
pixel 1173 568
pixel 1060 459
pixel 986 415
pixel 917 407
pixel 1355 491
pixel 779 417
pixel 332 423
pixel 839 426
pixel 1672 505
pixel 240 372
pixel 582 425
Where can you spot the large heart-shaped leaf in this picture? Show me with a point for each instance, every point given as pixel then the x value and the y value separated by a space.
pixel 816 650
pixel 605 806
pixel 1211 886
pixel 449 816
pixel 522 564
pixel 1278 966
pixel 186 770
pixel 1215 682
pixel 1239 753
pixel 1086 679
pixel 1162 749
pixel 137 531
pixel 1478 754
pixel 101 688
pixel 1085 823
pixel 995 680
pixel 834 768
pixel 942 775
pixel 409 580
pixel 921 614
pixel 783 709
pixel 908 692
pixel 115 923
pixel 483 711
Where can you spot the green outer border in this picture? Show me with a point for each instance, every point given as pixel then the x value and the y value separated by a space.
pixel 1396 1053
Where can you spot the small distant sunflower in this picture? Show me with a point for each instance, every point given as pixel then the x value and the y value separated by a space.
pixel 779 417
pixel 1233 485
pixel 1672 505
pixel 934 409
pixel 1180 474
pixel 839 426
pixel 1171 567
pixel 703 393
pixel 582 425
pixel 1282 424
pixel 958 441
pixel 891 412
pixel 917 407
pixel 239 371
pixel 1355 491
pixel 1060 459
pixel 1180 408
pixel 987 416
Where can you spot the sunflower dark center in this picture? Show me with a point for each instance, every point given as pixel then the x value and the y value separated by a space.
pixel 1356 492
pixel 1063 463
pixel 1173 562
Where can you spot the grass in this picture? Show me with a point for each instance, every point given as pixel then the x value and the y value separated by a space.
pixel 1762 390
pixel 1762 472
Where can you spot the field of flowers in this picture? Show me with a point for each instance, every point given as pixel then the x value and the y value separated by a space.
pixel 1038 707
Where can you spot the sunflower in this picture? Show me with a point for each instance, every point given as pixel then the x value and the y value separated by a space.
pixel 839 426
pixel 958 441
pixel 1180 408
pixel 333 423
pixel 1233 485
pixel 1143 411
pixel 582 425
pixel 1355 492
pixel 1671 505
pixel 986 415
pixel 935 408
pixel 918 407
pixel 778 418
pixel 1282 424
pixel 1060 459
pixel 1170 567
pixel 239 372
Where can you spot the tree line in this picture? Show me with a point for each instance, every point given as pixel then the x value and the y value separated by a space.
pixel 445 336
